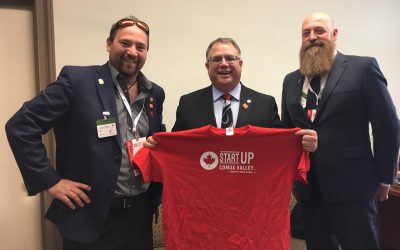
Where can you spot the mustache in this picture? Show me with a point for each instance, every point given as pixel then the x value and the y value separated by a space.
pixel 315 43
pixel 316 57
pixel 131 58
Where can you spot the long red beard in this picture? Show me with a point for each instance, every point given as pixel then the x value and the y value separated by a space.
pixel 316 58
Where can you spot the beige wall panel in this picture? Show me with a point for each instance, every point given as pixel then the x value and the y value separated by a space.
pixel 20 219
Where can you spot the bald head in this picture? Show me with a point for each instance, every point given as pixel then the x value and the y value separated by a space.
pixel 318 25
pixel 320 17
pixel 319 36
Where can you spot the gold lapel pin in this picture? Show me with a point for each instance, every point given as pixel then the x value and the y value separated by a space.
pixel 245 106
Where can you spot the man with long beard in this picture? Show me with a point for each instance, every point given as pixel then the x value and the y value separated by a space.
pixel 339 96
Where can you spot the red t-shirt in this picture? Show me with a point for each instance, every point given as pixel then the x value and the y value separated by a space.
pixel 225 192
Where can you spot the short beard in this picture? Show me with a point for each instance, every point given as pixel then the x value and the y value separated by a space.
pixel 316 58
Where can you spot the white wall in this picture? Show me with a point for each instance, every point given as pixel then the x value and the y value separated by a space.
pixel 268 33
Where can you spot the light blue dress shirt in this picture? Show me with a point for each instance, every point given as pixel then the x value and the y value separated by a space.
pixel 219 103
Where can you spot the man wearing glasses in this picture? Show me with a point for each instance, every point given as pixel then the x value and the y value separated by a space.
pixel 224 66
pixel 228 104
pixel 208 106
pixel 100 199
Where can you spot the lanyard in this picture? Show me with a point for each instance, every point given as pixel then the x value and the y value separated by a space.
pixel 128 108
pixel 135 122
pixel 307 88
pixel 317 96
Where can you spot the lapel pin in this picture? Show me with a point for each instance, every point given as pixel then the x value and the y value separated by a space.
pixel 101 81
pixel 151 105
pixel 151 114
pixel 151 99
pixel 248 101
pixel 245 106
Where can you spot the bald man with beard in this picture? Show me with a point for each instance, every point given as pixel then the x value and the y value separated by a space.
pixel 339 96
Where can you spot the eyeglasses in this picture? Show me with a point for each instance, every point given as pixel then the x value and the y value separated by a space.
pixel 228 58
pixel 126 22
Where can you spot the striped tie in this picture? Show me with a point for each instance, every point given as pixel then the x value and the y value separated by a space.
pixel 227 119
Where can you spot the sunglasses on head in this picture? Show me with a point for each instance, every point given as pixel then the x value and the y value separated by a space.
pixel 126 22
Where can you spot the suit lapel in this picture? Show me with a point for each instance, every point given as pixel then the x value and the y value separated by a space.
pixel 246 104
pixel 105 88
pixel 338 68
pixel 152 111
pixel 206 107
pixel 294 96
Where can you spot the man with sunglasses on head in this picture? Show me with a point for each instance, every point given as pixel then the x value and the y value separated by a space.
pixel 100 201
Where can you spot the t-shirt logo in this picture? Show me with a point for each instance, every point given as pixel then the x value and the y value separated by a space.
pixel 233 162
pixel 209 160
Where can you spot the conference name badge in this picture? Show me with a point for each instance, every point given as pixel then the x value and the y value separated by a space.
pixel 106 127
pixel 133 146
pixel 136 145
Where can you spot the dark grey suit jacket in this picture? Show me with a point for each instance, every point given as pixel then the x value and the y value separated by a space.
pixel 196 110
pixel 355 96
pixel 71 105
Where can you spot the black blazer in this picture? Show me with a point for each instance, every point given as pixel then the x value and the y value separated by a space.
pixel 71 105
pixel 355 96
pixel 196 110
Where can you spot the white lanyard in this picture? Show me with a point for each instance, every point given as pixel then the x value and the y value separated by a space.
pixel 135 122
pixel 318 96
pixel 307 88
pixel 128 108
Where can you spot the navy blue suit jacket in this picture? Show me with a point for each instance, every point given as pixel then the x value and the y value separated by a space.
pixel 355 96
pixel 71 105
pixel 196 110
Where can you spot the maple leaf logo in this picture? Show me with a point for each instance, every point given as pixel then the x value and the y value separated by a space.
pixel 208 160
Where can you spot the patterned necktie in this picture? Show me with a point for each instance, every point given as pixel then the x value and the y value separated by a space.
pixel 227 119
pixel 312 97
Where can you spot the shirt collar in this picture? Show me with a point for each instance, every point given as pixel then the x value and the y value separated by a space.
pixel 114 72
pixel 235 92
pixel 141 78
